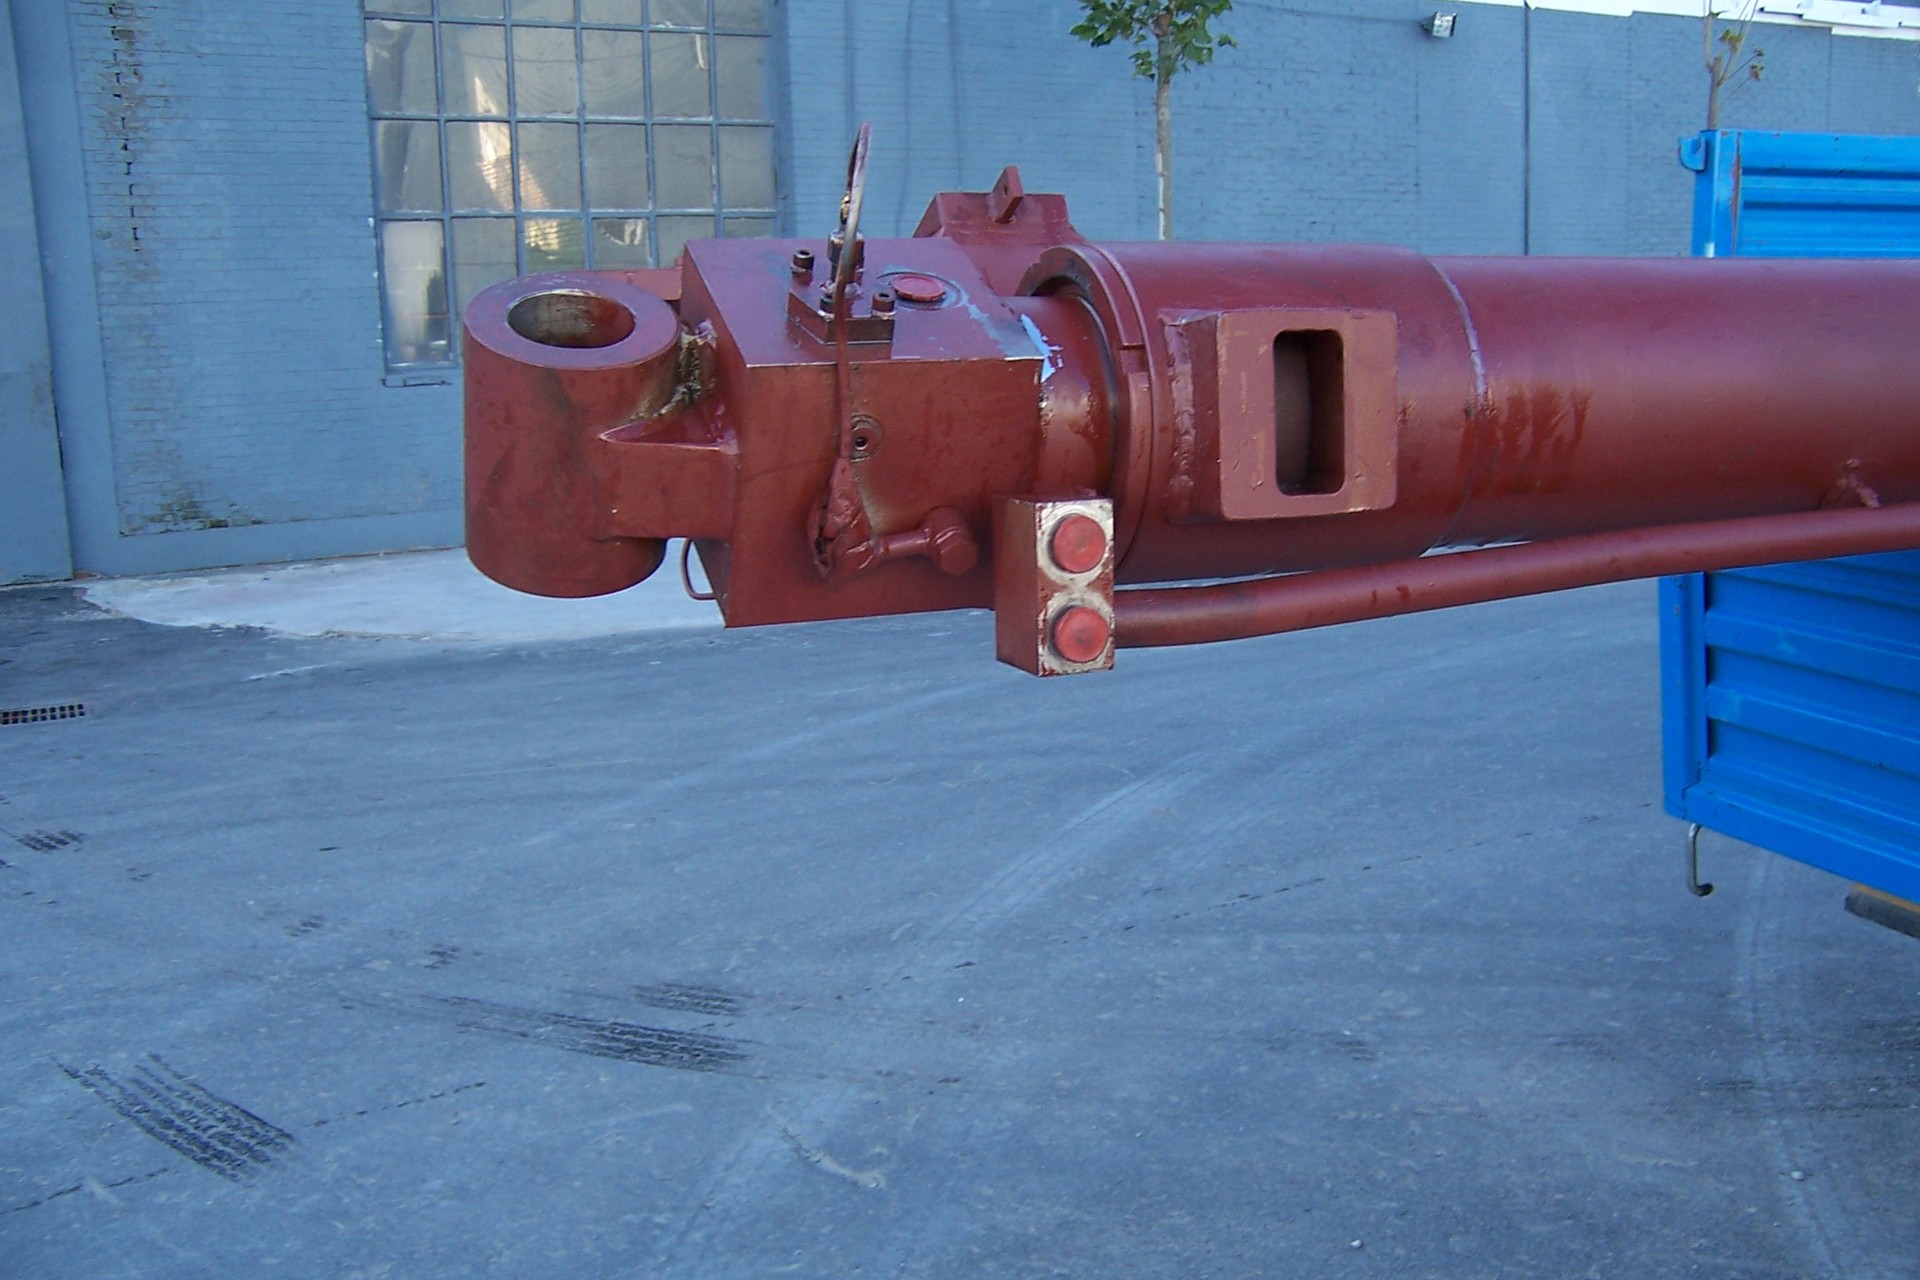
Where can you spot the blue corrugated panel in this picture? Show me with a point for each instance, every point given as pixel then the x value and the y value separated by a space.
pixel 1804 195
pixel 1792 693
pixel 1793 711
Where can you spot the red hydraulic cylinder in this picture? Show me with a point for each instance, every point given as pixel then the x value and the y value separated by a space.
pixel 1500 399
pixel 842 429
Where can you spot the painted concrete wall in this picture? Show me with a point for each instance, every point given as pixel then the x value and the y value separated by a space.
pixel 33 505
pixel 206 183
pixel 203 197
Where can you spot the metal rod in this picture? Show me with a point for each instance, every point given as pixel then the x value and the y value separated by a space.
pixel 1694 886
pixel 1267 606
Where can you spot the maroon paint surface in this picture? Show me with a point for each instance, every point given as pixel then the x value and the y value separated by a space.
pixel 1526 399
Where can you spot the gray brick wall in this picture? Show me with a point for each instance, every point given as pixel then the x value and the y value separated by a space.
pixel 1534 130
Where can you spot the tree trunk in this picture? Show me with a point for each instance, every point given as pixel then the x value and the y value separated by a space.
pixel 1713 71
pixel 1163 133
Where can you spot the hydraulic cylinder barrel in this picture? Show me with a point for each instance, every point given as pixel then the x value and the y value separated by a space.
pixel 1487 399
pixel 999 412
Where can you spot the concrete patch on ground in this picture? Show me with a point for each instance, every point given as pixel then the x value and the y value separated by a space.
pixel 425 595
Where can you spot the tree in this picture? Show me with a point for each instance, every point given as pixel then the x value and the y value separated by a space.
pixel 1732 63
pixel 1173 35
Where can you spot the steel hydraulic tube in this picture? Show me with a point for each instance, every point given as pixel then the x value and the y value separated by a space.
pixel 1147 618
pixel 999 412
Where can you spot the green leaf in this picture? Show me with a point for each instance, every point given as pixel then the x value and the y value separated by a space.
pixel 1189 39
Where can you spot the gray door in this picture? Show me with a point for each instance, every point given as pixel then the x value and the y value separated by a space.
pixel 33 506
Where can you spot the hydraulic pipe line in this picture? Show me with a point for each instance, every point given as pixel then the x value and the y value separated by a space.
pixel 1149 618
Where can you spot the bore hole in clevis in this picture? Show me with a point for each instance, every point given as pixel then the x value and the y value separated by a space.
pixel 570 318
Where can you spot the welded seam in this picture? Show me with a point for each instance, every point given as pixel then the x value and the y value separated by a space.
pixel 1473 336
pixel 1476 414
pixel 1129 506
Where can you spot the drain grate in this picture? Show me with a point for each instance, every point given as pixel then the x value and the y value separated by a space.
pixel 40 715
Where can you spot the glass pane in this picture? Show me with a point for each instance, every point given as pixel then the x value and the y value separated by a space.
pixel 740 66
pixel 621 242
pixel 739 227
pixel 473 67
pixel 554 244
pixel 679 13
pixel 746 167
pixel 617 166
pixel 482 255
pixel 471 9
pixel 400 68
pixel 549 166
pixel 406 165
pixel 543 10
pixel 679 71
pixel 479 165
pixel 421 7
pixel 744 15
pixel 626 13
pixel 673 234
pixel 414 273
pixel 614 73
pixel 545 72
pixel 682 167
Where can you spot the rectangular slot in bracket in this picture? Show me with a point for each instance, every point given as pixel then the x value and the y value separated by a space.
pixel 1285 411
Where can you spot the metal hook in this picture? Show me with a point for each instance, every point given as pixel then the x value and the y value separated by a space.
pixel 686 574
pixel 1694 886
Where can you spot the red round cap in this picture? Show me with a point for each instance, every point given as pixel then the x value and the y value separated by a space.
pixel 1078 543
pixel 918 288
pixel 1080 634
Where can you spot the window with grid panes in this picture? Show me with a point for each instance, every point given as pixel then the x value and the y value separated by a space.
pixel 515 136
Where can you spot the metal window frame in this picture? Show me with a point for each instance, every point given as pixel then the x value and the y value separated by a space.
pixel 719 214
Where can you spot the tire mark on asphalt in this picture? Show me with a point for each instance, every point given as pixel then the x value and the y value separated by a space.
pixel 597 1037
pixel 1055 858
pixel 47 841
pixel 734 1193
pixel 30 832
pixel 650 794
pixel 689 998
pixel 220 1136
pixel 1800 1200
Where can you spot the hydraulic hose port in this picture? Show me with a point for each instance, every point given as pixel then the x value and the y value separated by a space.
pixel 570 318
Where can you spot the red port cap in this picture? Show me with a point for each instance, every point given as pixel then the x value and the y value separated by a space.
pixel 1078 544
pixel 1080 634
pixel 918 288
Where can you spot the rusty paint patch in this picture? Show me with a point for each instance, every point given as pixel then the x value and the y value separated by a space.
pixel 1529 440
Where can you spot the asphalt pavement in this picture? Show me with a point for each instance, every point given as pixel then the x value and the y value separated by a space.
pixel 841 951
